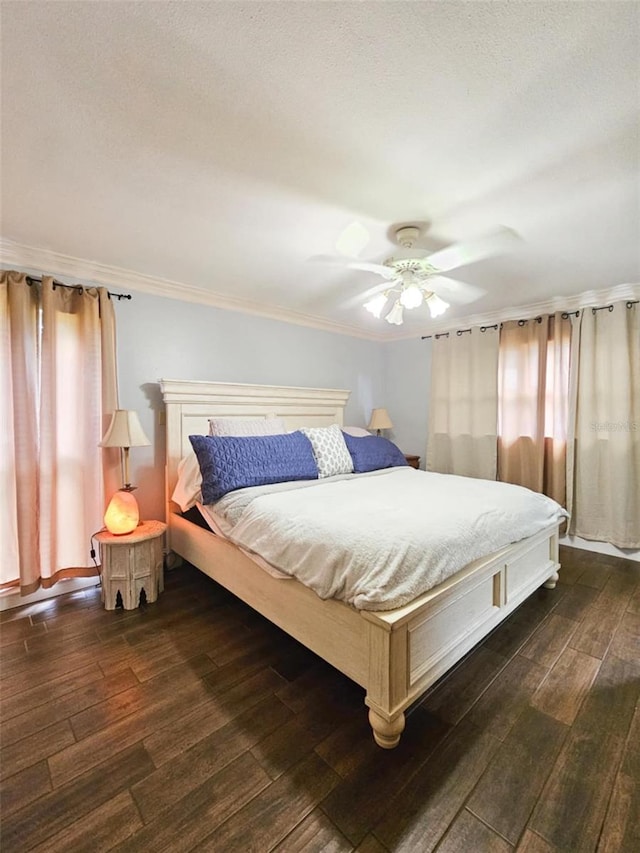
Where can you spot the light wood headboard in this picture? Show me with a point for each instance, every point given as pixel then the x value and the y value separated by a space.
pixel 189 405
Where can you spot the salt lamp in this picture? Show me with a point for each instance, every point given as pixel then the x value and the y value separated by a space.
pixel 122 515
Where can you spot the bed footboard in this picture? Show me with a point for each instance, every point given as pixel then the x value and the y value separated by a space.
pixel 410 648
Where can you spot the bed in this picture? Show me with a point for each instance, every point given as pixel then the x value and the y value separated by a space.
pixel 395 655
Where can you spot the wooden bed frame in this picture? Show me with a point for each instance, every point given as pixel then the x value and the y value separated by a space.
pixel 394 655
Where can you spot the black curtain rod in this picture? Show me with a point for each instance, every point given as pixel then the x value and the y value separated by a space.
pixel 459 332
pixel 565 316
pixel 33 280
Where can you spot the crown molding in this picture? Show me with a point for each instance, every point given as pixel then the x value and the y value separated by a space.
pixel 587 299
pixel 45 261
pixel 81 270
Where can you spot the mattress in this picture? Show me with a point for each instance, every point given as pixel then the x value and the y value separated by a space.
pixel 378 540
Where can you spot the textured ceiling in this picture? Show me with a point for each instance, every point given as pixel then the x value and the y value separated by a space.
pixel 221 145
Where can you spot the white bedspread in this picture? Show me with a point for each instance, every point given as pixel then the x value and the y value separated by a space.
pixel 377 541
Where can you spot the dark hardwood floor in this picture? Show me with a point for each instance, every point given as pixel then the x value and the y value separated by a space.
pixel 194 724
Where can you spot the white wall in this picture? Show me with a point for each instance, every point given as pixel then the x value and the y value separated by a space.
pixel 162 338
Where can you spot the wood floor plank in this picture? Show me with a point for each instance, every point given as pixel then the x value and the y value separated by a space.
pixel 468 833
pixel 41 694
pixel 315 834
pixel 513 633
pixel 170 741
pixel 568 682
pixel 455 694
pixel 626 640
pixel 594 574
pixel 60 808
pixel 99 830
pixel 595 633
pixel 370 844
pixel 611 702
pixel 194 817
pixel 138 698
pixel 359 800
pixel 347 747
pixel 92 750
pixel 532 843
pixel 504 700
pixel 15 652
pixel 573 804
pixel 177 778
pixel 634 602
pixel 575 603
pixel 307 690
pixel 197 752
pixel 548 642
pixel 509 788
pixel 24 787
pixel 271 815
pixel 286 746
pixel 60 645
pixel 621 831
pixel 571 564
pixel 417 816
pixel 21 629
pixel 59 709
pixel 32 749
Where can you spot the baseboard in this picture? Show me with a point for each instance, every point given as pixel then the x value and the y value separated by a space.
pixel 11 598
pixel 600 547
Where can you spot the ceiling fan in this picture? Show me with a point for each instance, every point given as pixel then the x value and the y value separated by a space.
pixel 413 277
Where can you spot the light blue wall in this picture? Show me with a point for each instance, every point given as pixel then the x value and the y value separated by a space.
pixel 162 338
pixel 407 377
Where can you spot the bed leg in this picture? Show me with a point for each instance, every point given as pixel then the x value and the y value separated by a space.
pixel 553 580
pixel 386 733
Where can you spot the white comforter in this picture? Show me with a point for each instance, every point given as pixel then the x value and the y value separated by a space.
pixel 379 540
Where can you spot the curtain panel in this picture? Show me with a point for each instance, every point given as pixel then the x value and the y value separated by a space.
pixel 58 387
pixel 464 404
pixel 606 502
pixel 533 411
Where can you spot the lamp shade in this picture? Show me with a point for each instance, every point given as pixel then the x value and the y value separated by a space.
pixel 124 431
pixel 380 419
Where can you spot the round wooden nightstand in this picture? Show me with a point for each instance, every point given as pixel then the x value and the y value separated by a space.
pixel 414 461
pixel 132 563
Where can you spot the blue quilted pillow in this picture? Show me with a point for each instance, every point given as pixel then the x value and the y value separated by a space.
pixel 234 462
pixel 372 452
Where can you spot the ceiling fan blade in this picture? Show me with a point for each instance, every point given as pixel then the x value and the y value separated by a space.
pixel 379 269
pixel 452 290
pixel 460 254
pixel 364 295
pixel 330 260
pixel 352 240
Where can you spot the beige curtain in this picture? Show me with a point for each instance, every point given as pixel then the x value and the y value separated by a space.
pixel 463 404
pixel 19 389
pixel 533 412
pixel 62 501
pixel 606 504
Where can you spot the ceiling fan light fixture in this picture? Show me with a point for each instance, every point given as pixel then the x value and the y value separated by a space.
pixel 395 315
pixel 376 305
pixel 411 296
pixel 436 305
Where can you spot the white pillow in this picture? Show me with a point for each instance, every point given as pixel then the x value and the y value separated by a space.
pixel 330 450
pixel 187 490
pixel 357 432
pixel 247 426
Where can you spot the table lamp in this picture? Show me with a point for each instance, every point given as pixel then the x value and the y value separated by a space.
pixel 380 420
pixel 124 431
